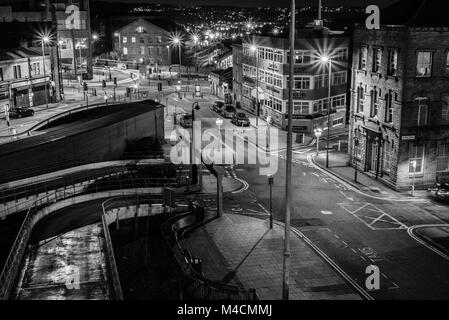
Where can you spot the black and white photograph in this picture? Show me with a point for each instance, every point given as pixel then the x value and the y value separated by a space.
pixel 158 150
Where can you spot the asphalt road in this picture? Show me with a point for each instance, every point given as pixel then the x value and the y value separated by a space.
pixel 351 230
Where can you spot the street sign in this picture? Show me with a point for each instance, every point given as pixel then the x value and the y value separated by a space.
pixel 219 122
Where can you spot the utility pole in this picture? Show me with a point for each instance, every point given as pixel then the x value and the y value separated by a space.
pixel 288 177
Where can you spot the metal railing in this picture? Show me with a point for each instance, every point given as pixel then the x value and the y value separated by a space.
pixel 12 264
pixel 193 282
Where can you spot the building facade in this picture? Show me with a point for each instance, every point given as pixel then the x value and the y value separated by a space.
pixel 221 84
pixel 144 42
pixel 311 83
pixel 71 20
pixel 237 74
pixel 22 80
pixel 400 104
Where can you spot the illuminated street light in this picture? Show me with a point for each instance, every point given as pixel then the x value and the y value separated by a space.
pixel 253 49
pixel 318 133
pixel 44 40
pixel 94 37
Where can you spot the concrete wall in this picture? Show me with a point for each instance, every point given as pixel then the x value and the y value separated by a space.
pixel 97 145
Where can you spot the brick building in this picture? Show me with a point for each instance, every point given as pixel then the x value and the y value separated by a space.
pixel 71 20
pixel 311 78
pixel 399 128
pixel 22 80
pixel 146 41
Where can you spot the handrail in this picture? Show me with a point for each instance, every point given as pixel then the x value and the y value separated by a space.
pixel 204 288
pixel 12 264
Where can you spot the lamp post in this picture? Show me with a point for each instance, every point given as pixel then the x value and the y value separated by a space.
pixel 177 41
pixel 254 49
pixel 356 145
pixel 268 132
pixel 318 133
pixel 117 34
pixel 45 40
pixel 288 175
pixel 195 41
pixel 328 60
pixel 271 182
pixel 413 164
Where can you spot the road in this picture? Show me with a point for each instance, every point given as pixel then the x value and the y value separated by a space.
pixel 349 229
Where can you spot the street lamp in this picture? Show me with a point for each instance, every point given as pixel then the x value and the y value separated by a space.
pixel 268 132
pixel 413 164
pixel 328 60
pixel 318 133
pixel 253 48
pixel 195 39
pixel 356 145
pixel 117 34
pixel 177 41
pixel 44 40
pixel 271 182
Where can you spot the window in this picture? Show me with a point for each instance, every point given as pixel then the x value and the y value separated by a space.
pixel 377 60
pixel 301 57
pixel 389 107
pixel 17 72
pixel 141 40
pixel 360 99
pixel 339 78
pixel 1 74
pixel 445 109
pixel 246 91
pixel 319 82
pixel 125 39
pixel 363 58
pixel 273 103
pixel 302 83
pixel 140 30
pixel 35 69
pixel 277 80
pixel 443 158
pixel 374 107
pixel 125 51
pixel 341 55
pixel 392 62
pixel 301 107
pixel 337 122
pixel 339 101
pixel 142 50
pixel 424 64
pixel 159 39
pixel 278 56
pixel 416 156
pixel 133 39
pixel 423 106
pixel 159 51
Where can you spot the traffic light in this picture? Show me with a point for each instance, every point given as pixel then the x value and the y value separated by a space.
pixel 85 86
pixel 103 83
pixel 115 81
pixel 159 87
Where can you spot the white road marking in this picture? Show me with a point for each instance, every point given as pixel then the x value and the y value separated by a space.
pixel 326 212
pixel 432 248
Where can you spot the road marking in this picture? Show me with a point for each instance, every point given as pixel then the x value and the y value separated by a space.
pixel 346 196
pixel 332 263
pixel 302 151
pixel 326 212
pixel 428 246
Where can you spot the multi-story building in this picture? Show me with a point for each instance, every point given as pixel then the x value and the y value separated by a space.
pixel 268 57
pixel 399 128
pixel 71 20
pixel 221 84
pixel 146 41
pixel 237 73
pixel 22 80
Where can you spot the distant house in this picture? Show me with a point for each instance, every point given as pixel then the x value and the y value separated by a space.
pixel 221 84
pixel 22 79
pixel 145 41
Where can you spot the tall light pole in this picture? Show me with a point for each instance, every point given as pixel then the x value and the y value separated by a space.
pixel 117 34
pixel 413 163
pixel 195 41
pixel 177 41
pixel 254 49
pixel 318 133
pixel 328 60
pixel 45 40
pixel 288 176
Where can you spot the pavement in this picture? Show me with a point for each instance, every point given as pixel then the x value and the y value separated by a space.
pixel 242 250
pixel 366 182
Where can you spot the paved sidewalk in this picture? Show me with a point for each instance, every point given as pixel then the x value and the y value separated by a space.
pixel 339 166
pixel 242 250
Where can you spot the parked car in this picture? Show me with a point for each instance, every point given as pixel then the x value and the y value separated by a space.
pixel 240 119
pixel 218 106
pixel 186 121
pixel 441 190
pixel 229 111
pixel 21 112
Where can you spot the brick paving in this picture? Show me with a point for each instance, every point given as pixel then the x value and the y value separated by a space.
pixel 238 249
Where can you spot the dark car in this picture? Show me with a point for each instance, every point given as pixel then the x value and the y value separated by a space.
pixel 240 119
pixel 186 121
pixel 229 111
pixel 441 190
pixel 218 106
pixel 21 112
